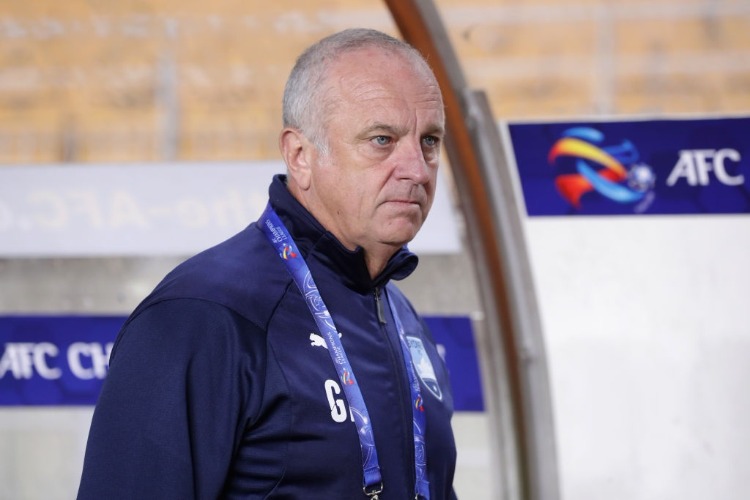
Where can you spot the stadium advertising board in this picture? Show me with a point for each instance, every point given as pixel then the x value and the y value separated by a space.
pixel 63 360
pixel 153 209
pixel 675 166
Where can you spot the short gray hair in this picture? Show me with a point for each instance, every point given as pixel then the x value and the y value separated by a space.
pixel 304 95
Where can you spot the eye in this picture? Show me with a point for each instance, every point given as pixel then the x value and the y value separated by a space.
pixel 381 140
pixel 431 141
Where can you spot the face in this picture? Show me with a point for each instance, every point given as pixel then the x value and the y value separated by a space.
pixel 384 124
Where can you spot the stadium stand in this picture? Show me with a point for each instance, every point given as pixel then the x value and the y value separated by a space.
pixel 85 81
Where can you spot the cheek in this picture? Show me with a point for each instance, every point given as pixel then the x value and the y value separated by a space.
pixel 348 196
pixel 430 192
pixel 431 183
pixel 362 188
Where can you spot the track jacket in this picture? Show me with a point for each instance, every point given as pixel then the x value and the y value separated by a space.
pixel 220 385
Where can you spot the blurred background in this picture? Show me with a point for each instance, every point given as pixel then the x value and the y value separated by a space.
pixel 123 81
pixel 93 81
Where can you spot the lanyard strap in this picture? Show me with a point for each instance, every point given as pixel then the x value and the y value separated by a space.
pixel 422 485
pixel 279 236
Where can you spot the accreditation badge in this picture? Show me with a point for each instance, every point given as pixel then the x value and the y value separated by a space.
pixel 424 366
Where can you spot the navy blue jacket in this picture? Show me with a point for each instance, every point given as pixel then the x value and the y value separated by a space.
pixel 219 385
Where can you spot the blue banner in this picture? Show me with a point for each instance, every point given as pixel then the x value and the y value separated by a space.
pixel 455 339
pixel 52 360
pixel 62 360
pixel 676 166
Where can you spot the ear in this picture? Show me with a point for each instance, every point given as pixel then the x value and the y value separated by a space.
pixel 297 152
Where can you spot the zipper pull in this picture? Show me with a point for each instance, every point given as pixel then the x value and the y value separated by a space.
pixel 379 306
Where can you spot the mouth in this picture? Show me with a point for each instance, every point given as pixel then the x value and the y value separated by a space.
pixel 404 205
pixel 405 201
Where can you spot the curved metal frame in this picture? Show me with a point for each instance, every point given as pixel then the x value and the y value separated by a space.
pixel 515 367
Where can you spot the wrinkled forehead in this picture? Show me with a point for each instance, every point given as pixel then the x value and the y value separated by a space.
pixel 370 74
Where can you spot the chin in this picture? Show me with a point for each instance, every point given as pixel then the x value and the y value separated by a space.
pixel 401 238
pixel 398 231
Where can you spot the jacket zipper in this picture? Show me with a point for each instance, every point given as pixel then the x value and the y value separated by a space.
pixel 379 306
pixel 396 357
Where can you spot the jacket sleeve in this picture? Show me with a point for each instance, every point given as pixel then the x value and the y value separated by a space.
pixel 173 407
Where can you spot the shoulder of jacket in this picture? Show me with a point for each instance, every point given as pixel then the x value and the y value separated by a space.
pixel 240 274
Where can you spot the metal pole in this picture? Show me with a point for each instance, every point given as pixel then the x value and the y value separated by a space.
pixel 517 370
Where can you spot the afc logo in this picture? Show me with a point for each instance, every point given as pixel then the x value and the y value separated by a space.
pixel 694 166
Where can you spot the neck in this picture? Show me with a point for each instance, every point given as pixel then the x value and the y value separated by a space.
pixel 377 259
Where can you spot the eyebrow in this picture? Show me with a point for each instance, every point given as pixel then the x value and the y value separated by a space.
pixel 437 130
pixel 382 127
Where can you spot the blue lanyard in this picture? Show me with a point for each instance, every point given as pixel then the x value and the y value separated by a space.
pixel 422 485
pixel 282 241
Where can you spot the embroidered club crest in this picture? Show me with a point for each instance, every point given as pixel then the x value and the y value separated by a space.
pixel 424 366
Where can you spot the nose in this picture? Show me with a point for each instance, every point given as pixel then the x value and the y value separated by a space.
pixel 412 164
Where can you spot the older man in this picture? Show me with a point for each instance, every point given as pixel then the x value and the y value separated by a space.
pixel 283 363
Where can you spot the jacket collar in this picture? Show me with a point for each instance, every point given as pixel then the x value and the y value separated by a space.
pixel 315 242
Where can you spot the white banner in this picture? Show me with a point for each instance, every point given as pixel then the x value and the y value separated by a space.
pixel 151 209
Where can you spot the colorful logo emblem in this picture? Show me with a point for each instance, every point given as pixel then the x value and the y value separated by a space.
pixel 288 253
pixel 588 165
pixel 418 404
pixel 347 378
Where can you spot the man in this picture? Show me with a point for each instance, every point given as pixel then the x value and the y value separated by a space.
pixel 283 363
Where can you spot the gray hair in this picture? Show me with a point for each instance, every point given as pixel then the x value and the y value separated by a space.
pixel 305 93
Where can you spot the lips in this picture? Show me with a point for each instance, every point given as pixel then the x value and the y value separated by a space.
pixel 405 203
pixel 409 199
pixel 415 196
